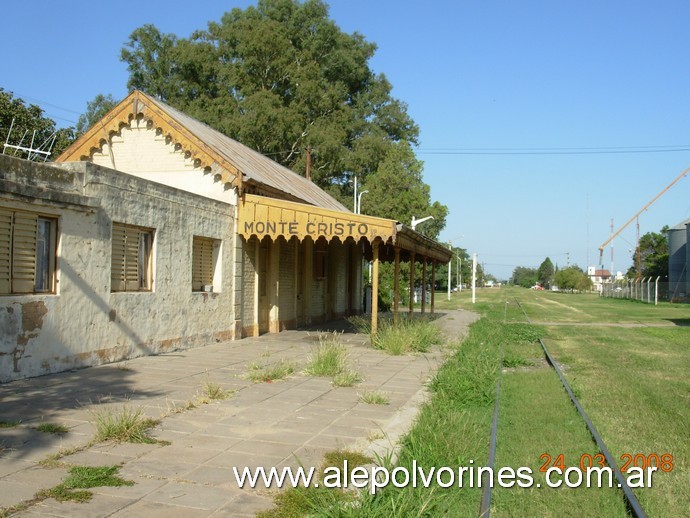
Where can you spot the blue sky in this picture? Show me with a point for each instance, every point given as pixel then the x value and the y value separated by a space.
pixel 517 103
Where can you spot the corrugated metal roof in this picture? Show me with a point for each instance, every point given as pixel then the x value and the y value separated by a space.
pixel 681 225
pixel 255 166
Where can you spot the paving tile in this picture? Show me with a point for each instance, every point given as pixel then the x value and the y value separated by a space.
pixel 279 424
pixel 195 496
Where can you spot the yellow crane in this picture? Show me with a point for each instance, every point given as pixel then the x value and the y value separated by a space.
pixel 613 236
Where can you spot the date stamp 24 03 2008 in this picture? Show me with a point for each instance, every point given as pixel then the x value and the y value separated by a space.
pixel 662 462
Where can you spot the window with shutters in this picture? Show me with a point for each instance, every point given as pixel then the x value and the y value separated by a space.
pixel 27 252
pixel 204 261
pixel 131 259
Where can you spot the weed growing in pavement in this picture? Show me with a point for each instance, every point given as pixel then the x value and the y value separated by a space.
pixel 346 378
pixel 259 372
pixel 407 336
pixel 8 424
pixel 125 425
pixel 328 358
pixel 374 397
pixel 56 429
pixel 81 478
pixel 214 391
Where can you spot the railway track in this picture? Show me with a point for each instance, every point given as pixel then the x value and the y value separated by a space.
pixel 632 504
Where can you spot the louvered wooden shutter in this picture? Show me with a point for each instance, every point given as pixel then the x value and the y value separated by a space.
pixel 202 262
pixel 24 252
pixel 5 250
pixel 117 272
pixel 130 258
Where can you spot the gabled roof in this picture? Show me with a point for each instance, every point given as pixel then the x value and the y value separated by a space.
pixel 237 164
pixel 602 273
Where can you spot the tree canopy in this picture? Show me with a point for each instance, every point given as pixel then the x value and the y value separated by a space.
pixel 95 110
pixel 545 273
pixel 282 77
pixel 653 255
pixel 525 277
pixel 30 119
pixel 572 278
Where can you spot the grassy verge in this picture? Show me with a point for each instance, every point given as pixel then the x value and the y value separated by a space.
pixel 451 430
pixel 634 385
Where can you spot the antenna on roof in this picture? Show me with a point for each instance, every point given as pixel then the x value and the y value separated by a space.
pixel 34 151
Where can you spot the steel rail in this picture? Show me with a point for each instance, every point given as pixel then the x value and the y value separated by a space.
pixel 631 500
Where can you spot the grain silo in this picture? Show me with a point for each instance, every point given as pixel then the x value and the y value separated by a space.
pixel 678 260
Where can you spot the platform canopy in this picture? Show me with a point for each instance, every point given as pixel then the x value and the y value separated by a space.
pixel 261 216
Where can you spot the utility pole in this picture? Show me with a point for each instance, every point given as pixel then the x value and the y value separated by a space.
pixel 639 252
pixel 355 207
pixel 474 277
pixel 612 272
pixel 450 267
pixel 307 172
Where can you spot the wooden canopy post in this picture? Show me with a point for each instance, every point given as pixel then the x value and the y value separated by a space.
pixel 433 284
pixel 396 284
pixel 375 288
pixel 411 285
pixel 423 284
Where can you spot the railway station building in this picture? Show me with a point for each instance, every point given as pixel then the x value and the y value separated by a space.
pixel 153 232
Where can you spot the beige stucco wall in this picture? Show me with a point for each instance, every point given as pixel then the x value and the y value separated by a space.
pixel 84 323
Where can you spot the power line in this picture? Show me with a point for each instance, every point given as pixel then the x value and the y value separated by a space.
pixel 45 103
pixel 557 151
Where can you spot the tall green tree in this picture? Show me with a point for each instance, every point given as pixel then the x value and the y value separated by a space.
pixel 572 278
pixel 397 191
pixel 280 77
pixel 653 255
pixel 149 55
pixel 95 110
pixel 545 273
pixel 525 277
pixel 27 120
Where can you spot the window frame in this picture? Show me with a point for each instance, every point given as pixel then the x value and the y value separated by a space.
pixel 205 253
pixel 23 241
pixel 131 265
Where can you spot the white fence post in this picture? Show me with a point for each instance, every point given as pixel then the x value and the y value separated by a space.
pixel 656 290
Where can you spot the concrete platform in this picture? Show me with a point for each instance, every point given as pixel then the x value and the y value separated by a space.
pixel 288 422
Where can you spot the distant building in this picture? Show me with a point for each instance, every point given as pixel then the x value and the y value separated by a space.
pixel 679 261
pixel 598 278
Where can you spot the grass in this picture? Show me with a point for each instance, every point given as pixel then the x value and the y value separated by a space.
pixel 8 424
pixel 407 336
pixel 267 373
pixel 56 429
pixel 214 391
pixel 319 501
pixel 124 425
pixel 374 397
pixel 81 478
pixel 347 378
pixel 330 359
pixel 631 381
